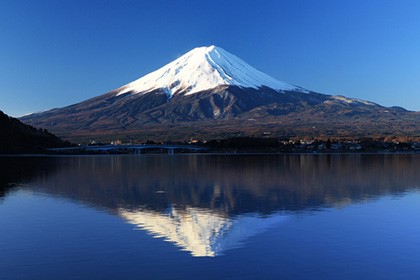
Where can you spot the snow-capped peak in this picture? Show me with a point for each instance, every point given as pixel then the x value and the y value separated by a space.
pixel 202 69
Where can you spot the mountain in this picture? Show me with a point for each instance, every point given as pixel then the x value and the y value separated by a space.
pixel 17 137
pixel 210 93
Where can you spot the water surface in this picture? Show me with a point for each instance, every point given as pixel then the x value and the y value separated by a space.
pixel 210 216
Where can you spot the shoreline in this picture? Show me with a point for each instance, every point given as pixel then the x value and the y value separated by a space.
pixel 250 153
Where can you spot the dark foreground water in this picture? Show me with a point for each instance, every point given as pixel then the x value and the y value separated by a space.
pixel 210 217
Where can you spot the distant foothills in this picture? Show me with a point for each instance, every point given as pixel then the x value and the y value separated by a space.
pixel 209 94
pixel 16 137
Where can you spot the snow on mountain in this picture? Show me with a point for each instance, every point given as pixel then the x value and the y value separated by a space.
pixel 201 69
pixel 352 100
pixel 201 232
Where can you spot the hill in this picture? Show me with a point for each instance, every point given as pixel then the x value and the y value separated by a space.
pixel 16 137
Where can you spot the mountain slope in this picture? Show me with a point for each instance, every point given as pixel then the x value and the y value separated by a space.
pixel 209 93
pixel 203 69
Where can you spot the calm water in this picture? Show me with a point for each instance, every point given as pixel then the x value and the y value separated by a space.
pixel 210 217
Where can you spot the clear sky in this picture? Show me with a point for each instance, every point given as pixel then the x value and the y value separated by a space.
pixel 57 53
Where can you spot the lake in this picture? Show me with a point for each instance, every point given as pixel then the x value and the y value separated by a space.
pixel 210 217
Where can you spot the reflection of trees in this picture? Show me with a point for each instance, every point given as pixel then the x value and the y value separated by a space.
pixel 232 184
pixel 17 170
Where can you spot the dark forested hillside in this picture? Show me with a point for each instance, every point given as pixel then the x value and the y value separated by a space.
pixel 16 137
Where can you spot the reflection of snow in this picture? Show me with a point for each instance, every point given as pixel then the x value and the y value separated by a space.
pixel 198 231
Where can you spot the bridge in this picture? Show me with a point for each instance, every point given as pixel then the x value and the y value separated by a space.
pixel 134 148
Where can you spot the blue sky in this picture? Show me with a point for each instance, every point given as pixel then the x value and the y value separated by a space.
pixel 57 53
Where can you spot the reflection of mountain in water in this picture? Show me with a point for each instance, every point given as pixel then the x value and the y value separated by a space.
pixel 231 184
pixel 216 202
pixel 201 232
